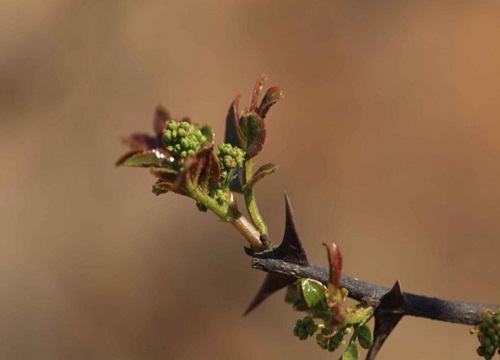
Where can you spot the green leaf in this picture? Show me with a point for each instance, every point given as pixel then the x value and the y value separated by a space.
pixel 351 353
pixel 365 337
pixel 314 293
pixel 148 158
pixel 254 132
pixel 261 172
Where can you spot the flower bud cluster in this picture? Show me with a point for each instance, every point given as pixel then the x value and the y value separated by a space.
pixel 305 327
pixel 182 139
pixel 326 341
pixel 488 333
pixel 230 158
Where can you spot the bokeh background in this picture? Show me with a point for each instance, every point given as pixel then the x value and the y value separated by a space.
pixel 388 143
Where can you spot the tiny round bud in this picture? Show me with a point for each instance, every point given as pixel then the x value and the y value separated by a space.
pixel 480 351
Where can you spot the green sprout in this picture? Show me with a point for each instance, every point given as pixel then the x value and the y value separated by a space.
pixel 181 156
pixel 328 315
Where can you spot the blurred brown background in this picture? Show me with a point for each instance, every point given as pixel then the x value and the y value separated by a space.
pixel 388 143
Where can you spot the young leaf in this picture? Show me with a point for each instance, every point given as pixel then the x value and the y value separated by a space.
pixel 201 170
pixel 272 96
pixel 160 119
pixel 314 293
pixel 261 172
pixel 161 187
pixel 335 265
pixel 231 135
pixel 154 157
pixel 351 353
pixel 256 91
pixel 254 132
pixel 365 337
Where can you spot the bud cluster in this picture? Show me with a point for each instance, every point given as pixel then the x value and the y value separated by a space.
pixel 182 139
pixel 326 341
pixel 488 333
pixel 305 327
pixel 230 158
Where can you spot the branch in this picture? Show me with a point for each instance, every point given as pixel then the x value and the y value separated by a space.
pixel 415 305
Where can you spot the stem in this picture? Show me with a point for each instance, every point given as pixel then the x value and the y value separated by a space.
pixel 249 231
pixel 415 305
pixel 228 213
pixel 250 201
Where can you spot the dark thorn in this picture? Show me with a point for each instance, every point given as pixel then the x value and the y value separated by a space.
pixel 249 251
pixel 387 316
pixel 290 251
pixel 272 283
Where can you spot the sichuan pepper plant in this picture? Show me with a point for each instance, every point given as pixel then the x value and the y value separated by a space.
pixel 185 160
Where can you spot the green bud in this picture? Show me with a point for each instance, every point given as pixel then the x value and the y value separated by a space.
pixel 322 341
pixel 485 341
pixel 182 138
pixel 483 327
pixel 480 351
pixel 495 339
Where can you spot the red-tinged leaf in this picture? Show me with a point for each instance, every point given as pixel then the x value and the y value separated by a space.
pixel 187 175
pixel 232 135
pixel 160 120
pixel 149 158
pixel 162 187
pixel 165 174
pixel 140 141
pixel 201 169
pixel 210 171
pixel 254 132
pixel 272 96
pixel 335 265
pixel 261 173
pixel 256 92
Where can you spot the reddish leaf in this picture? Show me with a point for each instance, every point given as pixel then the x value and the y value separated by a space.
pixel 254 132
pixel 261 172
pixel 272 96
pixel 256 92
pixel 335 265
pixel 232 135
pixel 161 187
pixel 201 169
pixel 140 141
pixel 160 120
pixel 154 157
pixel 165 174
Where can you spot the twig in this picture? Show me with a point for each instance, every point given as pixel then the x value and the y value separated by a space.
pixel 415 305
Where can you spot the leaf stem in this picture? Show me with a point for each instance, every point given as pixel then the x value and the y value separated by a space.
pixel 250 201
pixel 228 213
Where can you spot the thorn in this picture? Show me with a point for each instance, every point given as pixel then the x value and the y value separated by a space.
pixel 387 316
pixel 272 283
pixel 290 250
